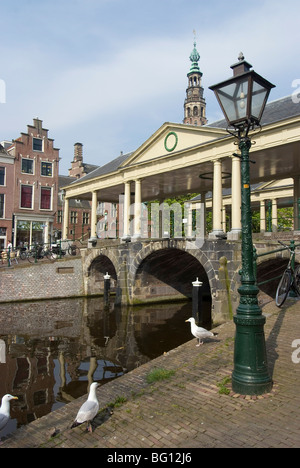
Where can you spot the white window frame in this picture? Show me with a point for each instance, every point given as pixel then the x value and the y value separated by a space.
pixel 43 175
pixel 35 150
pixel 3 217
pixel 51 199
pixel 33 163
pixel 32 199
pixel 4 185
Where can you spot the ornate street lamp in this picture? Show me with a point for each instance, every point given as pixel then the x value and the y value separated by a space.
pixel 243 99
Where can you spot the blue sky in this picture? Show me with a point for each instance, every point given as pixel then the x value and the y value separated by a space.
pixel 109 73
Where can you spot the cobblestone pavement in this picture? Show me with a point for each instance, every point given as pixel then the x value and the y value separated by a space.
pixel 189 409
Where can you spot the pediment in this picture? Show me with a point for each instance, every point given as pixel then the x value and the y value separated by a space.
pixel 171 139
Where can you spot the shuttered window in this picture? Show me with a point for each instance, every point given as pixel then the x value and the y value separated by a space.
pixel 26 196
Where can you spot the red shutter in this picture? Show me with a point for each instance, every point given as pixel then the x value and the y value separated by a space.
pixel 45 198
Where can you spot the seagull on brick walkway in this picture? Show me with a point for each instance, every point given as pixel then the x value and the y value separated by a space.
pixel 5 410
pixel 88 410
pixel 199 332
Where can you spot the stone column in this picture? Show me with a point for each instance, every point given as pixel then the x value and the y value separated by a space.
pixel 263 220
pixel 189 224
pixel 274 216
pixel 138 211
pixel 236 200
pixel 126 216
pixel 94 215
pixel 217 201
pixel 65 220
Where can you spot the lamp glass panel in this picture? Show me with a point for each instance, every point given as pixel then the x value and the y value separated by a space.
pixel 259 94
pixel 234 100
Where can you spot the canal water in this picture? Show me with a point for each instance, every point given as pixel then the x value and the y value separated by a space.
pixel 50 351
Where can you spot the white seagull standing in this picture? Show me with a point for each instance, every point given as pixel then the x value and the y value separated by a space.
pixel 88 410
pixel 5 410
pixel 199 332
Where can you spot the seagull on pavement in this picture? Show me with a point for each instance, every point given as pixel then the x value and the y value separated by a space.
pixel 88 410
pixel 5 410
pixel 199 332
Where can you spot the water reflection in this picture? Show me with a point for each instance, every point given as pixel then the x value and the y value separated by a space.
pixel 50 350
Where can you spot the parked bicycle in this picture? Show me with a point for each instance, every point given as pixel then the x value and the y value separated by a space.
pixel 27 254
pixel 36 252
pixel 290 279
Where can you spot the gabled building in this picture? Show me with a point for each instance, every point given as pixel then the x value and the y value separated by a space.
pixel 34 188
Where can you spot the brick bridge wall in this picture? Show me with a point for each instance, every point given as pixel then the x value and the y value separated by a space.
pixel 141 272
pixel 165 269
pixel 43 280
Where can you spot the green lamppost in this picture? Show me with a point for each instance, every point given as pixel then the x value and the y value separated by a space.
pixel 243 99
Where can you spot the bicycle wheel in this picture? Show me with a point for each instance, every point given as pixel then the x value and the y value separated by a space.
pixel 297 280
pixel 23 255
pixel 31 256
pixel 49 255
pixel 73 250
pixel 283 288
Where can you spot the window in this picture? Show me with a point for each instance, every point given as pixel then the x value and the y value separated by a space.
pixel 26 196
pixel 74 217
pixel 86 218
pixel 37 144
pixel 27 166
pixel 113 210
pixel 2 175
pixel 46 169
pixel 60 217
pixel 45 198
pixel 1 206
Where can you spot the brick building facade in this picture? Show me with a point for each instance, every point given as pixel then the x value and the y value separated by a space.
pixel 35 185
pixel 30 190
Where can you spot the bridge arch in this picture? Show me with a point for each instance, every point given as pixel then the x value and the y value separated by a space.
pixel 162 273
pixel 96 265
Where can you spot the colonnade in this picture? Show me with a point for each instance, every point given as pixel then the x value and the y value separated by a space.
pixel 219 213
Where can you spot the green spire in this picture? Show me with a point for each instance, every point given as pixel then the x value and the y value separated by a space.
pixel 194 58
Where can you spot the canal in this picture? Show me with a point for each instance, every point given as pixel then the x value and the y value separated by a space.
pixel 51 350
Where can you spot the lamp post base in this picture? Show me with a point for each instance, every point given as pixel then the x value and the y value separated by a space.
pixel 250 375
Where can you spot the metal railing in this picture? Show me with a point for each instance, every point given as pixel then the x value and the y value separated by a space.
pixel 37 252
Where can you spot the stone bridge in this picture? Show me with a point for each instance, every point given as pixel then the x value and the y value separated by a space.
pixel 164 270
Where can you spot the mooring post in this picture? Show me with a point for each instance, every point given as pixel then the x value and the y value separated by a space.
pixel 197 302
pixel 106 289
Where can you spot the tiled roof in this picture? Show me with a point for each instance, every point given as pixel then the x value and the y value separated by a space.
pixel 275 111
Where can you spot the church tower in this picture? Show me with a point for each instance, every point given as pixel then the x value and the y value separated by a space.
pixel 194 104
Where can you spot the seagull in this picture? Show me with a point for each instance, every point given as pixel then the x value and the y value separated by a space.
pixel 5 410
pixel 88 410
pixel 199 332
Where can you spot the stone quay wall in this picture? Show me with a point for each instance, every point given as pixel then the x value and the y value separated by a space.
pixel 44 280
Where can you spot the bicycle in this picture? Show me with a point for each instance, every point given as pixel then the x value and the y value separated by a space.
pixel 73 250
pixel 29 255
pixel 290 279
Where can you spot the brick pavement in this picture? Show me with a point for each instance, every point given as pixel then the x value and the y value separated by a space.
pixel 187 410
